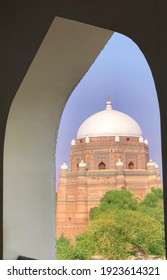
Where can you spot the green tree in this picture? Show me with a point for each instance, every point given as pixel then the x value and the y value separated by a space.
pixel 115 199
pixel 65 251
pixel 86 246
pixel 153 197
pixel 114 234
pixel 145 232
pixel 119 224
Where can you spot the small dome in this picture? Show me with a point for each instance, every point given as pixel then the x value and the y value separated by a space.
pixel 73 142
pixel 156 165
pixel 146 141
pixel 117 138
pixel 109 123
pixel 82 164
pixel 140 139
pixel 64 166
pixel 150 163
pixel 87 139
pixel 119 163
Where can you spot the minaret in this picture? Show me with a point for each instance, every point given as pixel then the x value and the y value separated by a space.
pixel 108 104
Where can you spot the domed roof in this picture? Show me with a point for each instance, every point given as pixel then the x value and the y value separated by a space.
pixel 64 166
pixel 109 123
pixel 82 164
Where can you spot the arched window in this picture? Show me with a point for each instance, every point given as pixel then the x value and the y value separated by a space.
pixel 131 165
pixel 101 165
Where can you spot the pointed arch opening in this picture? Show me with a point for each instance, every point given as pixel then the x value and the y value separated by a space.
pixel 131 165
pixel 101 165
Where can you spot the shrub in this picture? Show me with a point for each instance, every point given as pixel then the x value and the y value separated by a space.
pixel 65 251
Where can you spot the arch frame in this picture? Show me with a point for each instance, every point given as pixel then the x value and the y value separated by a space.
pixel 144 22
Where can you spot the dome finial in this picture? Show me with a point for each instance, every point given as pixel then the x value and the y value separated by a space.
pixel 108 104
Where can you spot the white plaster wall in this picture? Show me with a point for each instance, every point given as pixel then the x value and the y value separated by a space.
pixel 67 52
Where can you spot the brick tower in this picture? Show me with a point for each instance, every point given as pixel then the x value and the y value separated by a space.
pixel 109 153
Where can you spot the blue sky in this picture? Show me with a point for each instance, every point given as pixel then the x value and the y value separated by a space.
pixel 122 72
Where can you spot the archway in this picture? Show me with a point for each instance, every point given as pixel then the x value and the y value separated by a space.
pixel 101 165
pixel 131 165
pixel 77 112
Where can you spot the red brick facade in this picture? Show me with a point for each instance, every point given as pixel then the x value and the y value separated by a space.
pixel 82 188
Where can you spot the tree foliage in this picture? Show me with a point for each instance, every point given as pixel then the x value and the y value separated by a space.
pixel 114 200
pixel 65 251
pixel 119 224
pixel 153 197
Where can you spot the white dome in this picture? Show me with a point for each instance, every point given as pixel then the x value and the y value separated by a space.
pixel 64 166
pixel 109 123
pixel 141 139
pixel 156 165
pixel 73 142
pixel 87 140
pixel 119 163
pixel 146 141
pixel 117 138
pixel 82 164
pixel 151 163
